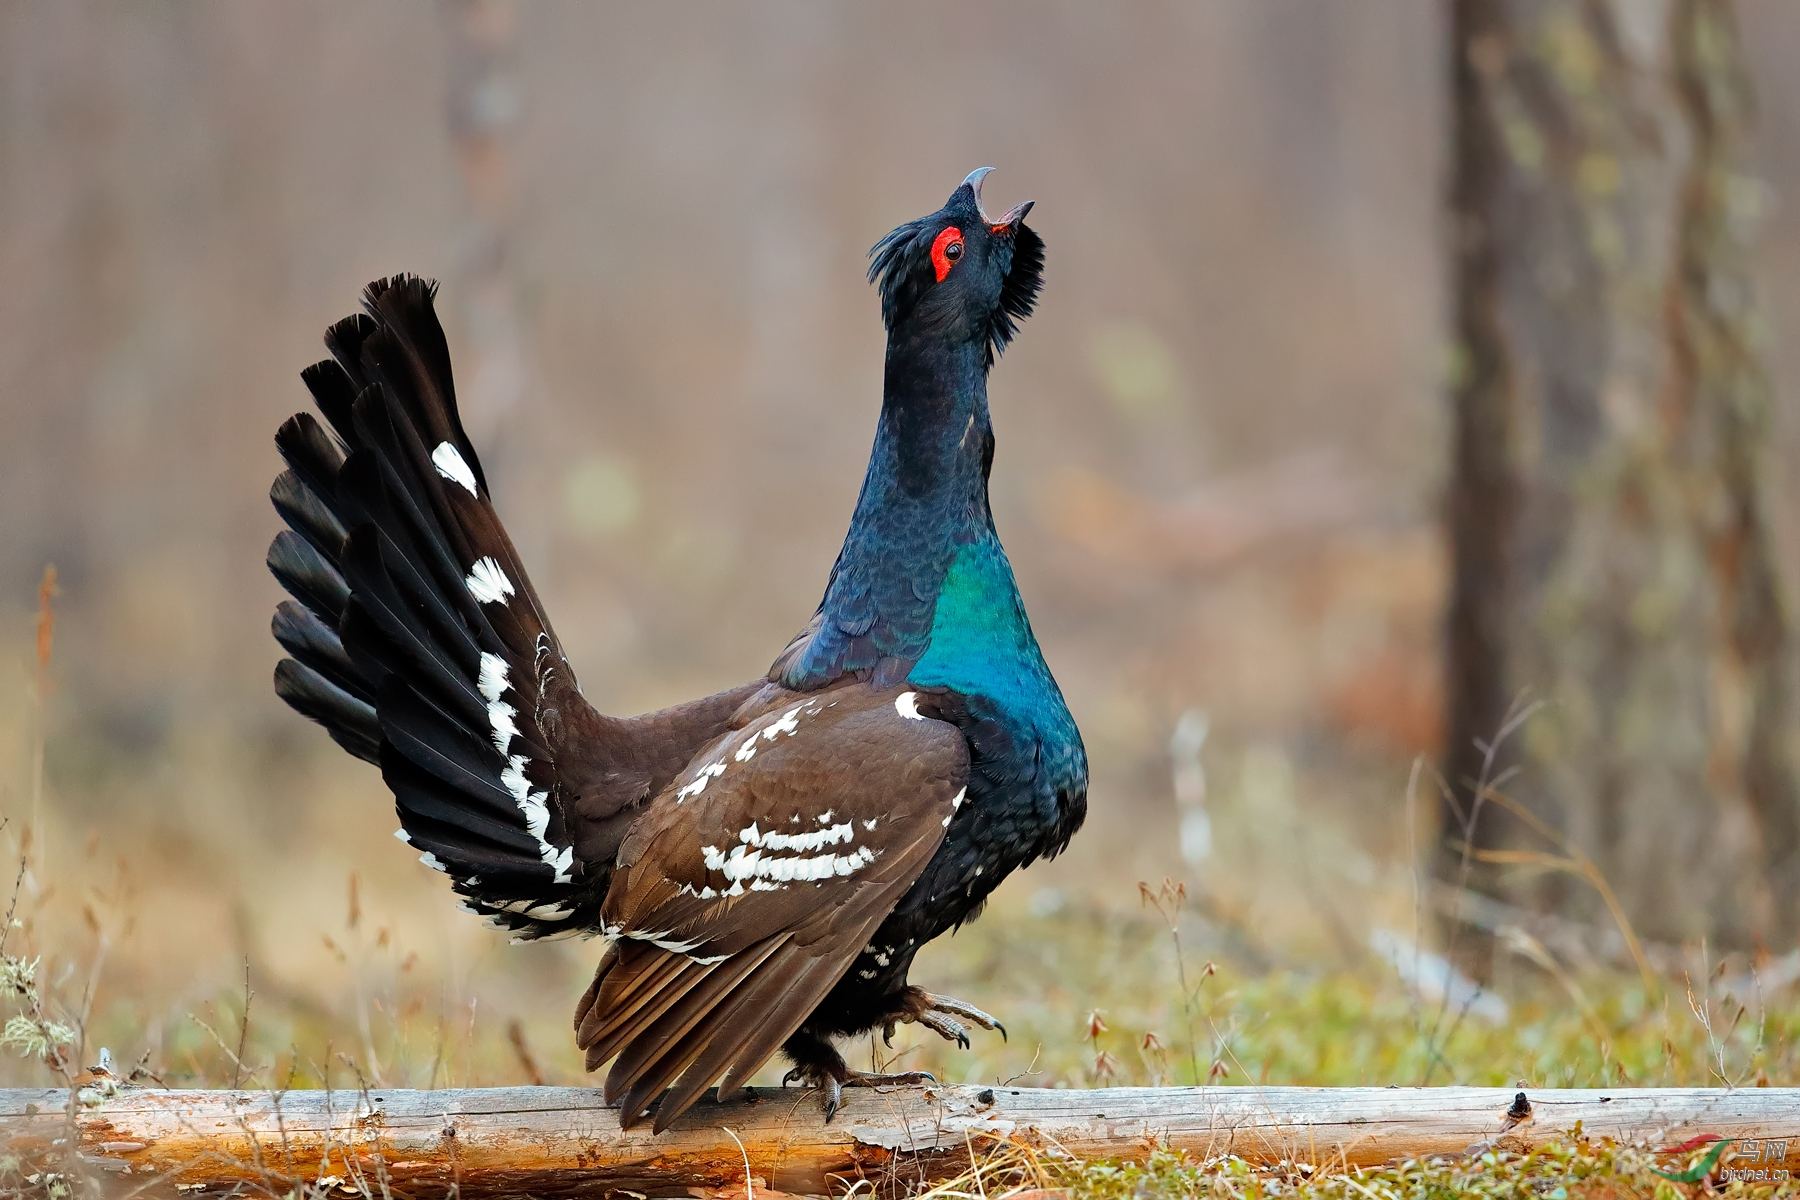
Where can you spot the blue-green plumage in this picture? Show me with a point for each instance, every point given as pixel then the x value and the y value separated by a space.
pixel 922 593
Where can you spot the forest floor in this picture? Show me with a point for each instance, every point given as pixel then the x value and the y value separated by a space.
pixel 1091 998
pixel 313 959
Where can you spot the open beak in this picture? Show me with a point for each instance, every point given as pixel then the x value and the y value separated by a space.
pixel 1009 221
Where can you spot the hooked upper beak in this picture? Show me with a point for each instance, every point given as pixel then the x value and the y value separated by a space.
pixel 1009 221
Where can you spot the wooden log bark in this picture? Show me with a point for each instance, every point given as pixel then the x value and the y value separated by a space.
pixel 549 1142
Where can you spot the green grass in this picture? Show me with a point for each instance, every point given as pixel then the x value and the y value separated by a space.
pixel 1091 997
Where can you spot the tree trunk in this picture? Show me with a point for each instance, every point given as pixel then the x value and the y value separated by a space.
pixel 1612 561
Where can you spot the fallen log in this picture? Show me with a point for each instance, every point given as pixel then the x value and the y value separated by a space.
pixel 552 1141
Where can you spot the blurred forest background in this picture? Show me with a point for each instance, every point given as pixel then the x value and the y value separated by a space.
pixel 1228 445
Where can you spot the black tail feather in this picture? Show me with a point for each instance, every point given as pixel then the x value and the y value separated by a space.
pixel 315 644
pixel 350 721
pixel 307 576
pixel 301 509
pixel 417 640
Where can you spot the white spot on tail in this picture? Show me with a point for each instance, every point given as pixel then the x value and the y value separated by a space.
pixel 907 705
pixel 488 583
pixel 544 909
pixel 449 463
pixel 494 677
pixel 433 861
pixel 535 808
pixel 500 722
pixel 514 779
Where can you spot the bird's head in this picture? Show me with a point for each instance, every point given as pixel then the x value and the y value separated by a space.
pixel 960 274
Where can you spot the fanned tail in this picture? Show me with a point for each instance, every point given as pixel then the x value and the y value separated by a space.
pixel 416 638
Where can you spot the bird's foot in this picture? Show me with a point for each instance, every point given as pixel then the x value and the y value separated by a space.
pixel 832 1082
pixel 887 1078
pixel 945 1016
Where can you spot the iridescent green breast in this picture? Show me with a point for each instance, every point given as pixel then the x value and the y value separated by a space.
pixel 982 646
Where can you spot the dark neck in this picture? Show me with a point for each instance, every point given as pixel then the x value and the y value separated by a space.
pixel 934 443
pixel 924 497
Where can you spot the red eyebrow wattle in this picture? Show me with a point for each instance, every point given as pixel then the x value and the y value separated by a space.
pixel 940 256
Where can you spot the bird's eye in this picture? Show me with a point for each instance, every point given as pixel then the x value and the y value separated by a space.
pixel 945 250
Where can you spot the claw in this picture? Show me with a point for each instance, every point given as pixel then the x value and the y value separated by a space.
pixel 794 1076
pixel 833 1098
pixel 944 1016
pixel 947 1028
pixel 887 1035
pixel 965 1010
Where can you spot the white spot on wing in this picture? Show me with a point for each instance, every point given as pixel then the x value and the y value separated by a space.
pixel 664 941
pixel 744 862
pixel 907 705
pixel 488 583
pixel 450 464
pixel 702 777
pixel 818 839
pixel 788 724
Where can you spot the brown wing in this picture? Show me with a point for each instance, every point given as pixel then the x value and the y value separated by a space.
pixel 746 892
